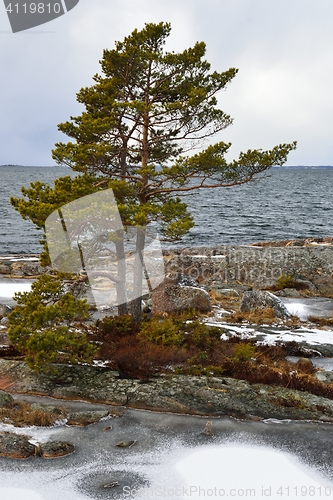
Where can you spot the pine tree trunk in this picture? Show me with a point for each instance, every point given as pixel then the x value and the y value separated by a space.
pixel 121 276
pixel 138 275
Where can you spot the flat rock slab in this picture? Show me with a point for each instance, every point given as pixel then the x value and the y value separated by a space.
pixel 86 417
pixel 56 449
pixel 176 393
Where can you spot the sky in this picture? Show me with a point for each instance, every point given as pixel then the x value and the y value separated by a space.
pixel 283 50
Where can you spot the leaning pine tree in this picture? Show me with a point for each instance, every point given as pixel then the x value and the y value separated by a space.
pixel 144 115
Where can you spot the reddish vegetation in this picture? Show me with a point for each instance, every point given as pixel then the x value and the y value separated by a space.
pixel 192 348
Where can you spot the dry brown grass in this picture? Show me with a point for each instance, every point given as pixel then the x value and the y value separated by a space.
pixel 293 322
pixel 219 299
pixel 258 317
pixel 321 321
pixel 21 414
pixel 261 317
pixel 281 374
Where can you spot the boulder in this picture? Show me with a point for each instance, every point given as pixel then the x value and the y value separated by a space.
pixel 259 299
pixel 171 297
pixel 5 309
pixel 324 376
pixel 5 399
pixel 5 269
pixel 15 446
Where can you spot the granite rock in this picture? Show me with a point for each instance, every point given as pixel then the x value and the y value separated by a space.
pixel 259 299
pixel 5 399
pixel 15 446
pixel 171 297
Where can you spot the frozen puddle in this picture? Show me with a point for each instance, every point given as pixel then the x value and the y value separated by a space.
pixel 298 309
pixel 173 458
pixel 240 471
pixel 230 470
pixel 305 307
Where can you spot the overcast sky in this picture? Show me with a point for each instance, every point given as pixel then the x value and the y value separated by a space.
pixel 283 49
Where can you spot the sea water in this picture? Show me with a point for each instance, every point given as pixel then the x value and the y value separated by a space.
pixel 282 204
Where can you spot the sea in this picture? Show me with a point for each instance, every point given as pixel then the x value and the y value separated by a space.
pixel 284 203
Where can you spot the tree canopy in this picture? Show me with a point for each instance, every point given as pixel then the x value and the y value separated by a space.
pixel 146 132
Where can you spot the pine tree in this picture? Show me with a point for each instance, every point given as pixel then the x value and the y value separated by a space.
pixel 144 116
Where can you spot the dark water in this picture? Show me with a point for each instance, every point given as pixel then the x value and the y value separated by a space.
pixel 18 235
pixel 285 204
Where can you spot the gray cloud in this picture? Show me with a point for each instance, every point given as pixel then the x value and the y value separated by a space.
pixel 282 49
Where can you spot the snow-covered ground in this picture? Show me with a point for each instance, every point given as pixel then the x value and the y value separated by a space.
pixel 306 334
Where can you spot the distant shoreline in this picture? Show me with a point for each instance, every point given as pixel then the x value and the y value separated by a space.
pixel 305 167
pixel 285 167
pixel 34 166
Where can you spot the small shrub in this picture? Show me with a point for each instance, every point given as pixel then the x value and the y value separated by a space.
pixel 244 352
pixel 111 328
pixel 45 326
pixel 135 359
pixel 202 336
pixel 285 281
pixel 166 332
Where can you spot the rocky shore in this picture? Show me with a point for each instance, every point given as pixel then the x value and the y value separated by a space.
pixel 260 265
pixel 220 268
pixel 310 262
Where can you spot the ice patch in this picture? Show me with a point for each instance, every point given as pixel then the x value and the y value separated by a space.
pixel 8 288
pixel 19 494
pixel 233 470
pixel 298 309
